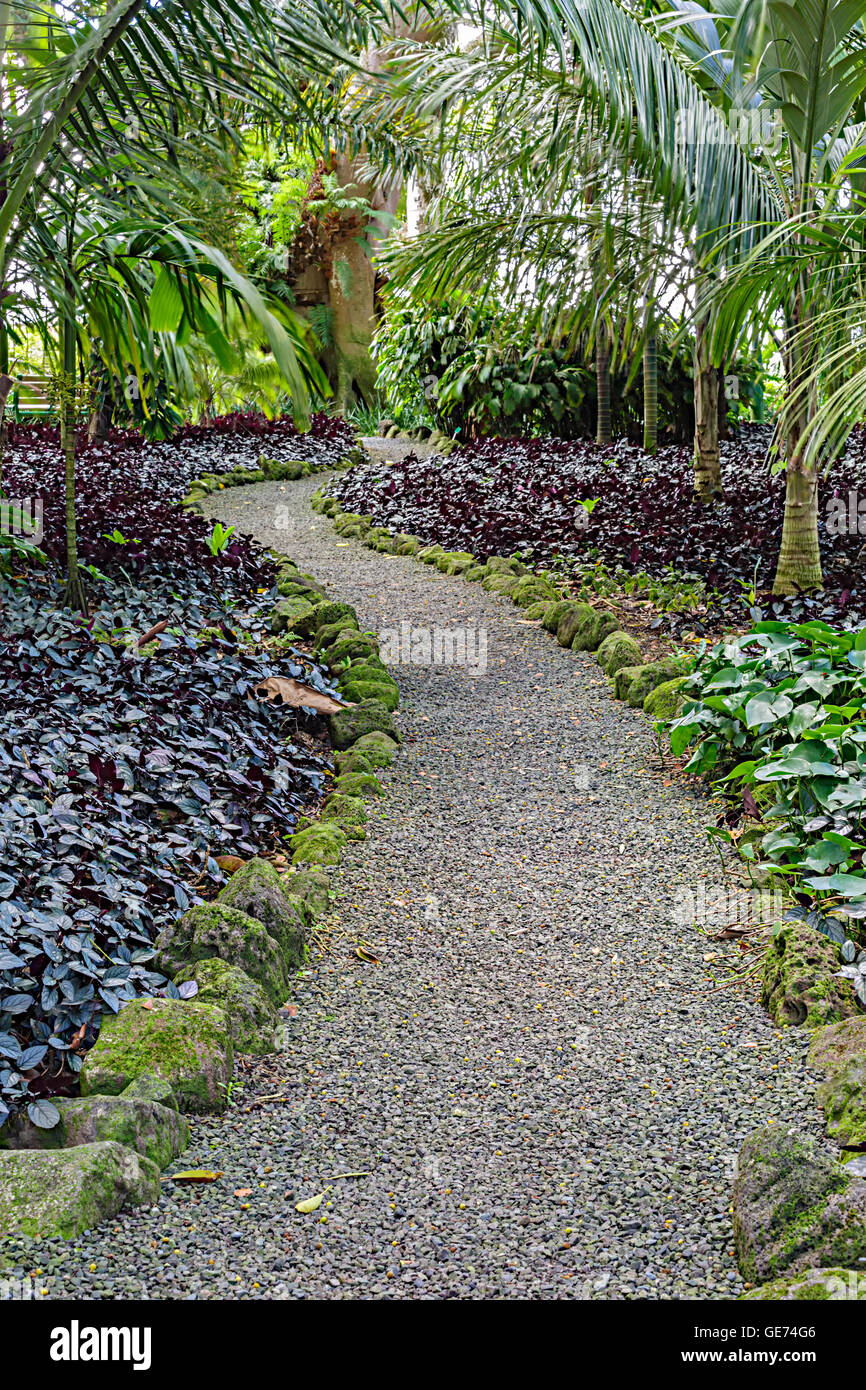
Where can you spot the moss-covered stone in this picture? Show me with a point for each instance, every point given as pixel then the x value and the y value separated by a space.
pixel 537 611
pixel 369 716
pixel 350 646
pixel 377 748
pixel 289 612
pixel 295 585
pixel 332 633
pixel 618 650
pixel 213 929
pixel 408 545
pixel 497 583
pixel 349 813
pixel 429 554
pixel 503 564
pixel 253 1019
pixel 839 1051
pixel 570 620
pixel 149 1086
pixel 359 784
pixel 353 760
pixel 65 1192
pixel 370 668
pixel 555 610
pixel 157 1131
pixel 634 683
pixel 186 1043
pixel 257 889
pixel 799 979
pixel 329 612
pixel 312 888
pixel 666 700
pixel 321 843
pixel 811 1286
pixel 387 691
pixel 593 630
pixel 795 1207
pixel 532 588
pixel 475 573
pixel 455 561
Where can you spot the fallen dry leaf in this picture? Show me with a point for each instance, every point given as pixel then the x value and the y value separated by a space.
pixel 195 1175
pixel 243 1192
pixel 368 956
pixel 285 690
pixel 311 1204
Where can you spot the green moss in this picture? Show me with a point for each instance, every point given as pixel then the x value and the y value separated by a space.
pixel 253 1019
pixel 359 784
pixel 354 760
pixel 65 1192
pixel 313 888
pixel 186 1043
pixel 369 716
pixel 387 691
pixel 329 612
pixel 349 647
pixel 289 613
pixel 497 583
pixel 666 700
pixel 376 748
pixel 348 812
pixel 570 620
pixel 593 630
pixel 259 891
pixel 616 651
pixel 318 844
pixel 799 979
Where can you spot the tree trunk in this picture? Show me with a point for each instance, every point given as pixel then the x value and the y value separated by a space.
pixel 799 566
pixel 602 378
pixel 651 396
pixel 708 468
pixel 75 594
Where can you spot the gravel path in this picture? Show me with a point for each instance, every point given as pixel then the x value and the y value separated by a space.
pixel 539 1092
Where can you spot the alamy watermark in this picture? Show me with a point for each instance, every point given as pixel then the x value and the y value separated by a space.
pixel 22 517
pixel 846 516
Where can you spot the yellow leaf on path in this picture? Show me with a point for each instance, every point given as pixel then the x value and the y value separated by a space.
pixel 310 1204
pixel 195 1175
pixel 285 690
pixel 243 1192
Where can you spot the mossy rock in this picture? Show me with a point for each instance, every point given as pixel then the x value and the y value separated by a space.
pixel 428 554
pixel 407 545
pixel 593 630
pixel 536 611
pixel 799 979
pixel 187 1044
pixel 353 760
pixel 502 584
pixel 330 507
pixel 387 691
pixel 155 1131
pixel 666 700
pixel 289 613
pixel 332 633
pixel 64 1192
pixel 351 646
pixel 359 784
pixel 353 520
pixel 795 1207
pixel 618 650
pixel 253 1019
pixel 503 564
pixel 570 620
pixel 368 669
pixel 213 929
pixel 348 812
pixel 329 612
pixel 634 683
pixel 377 749
pixel 555 611
pixel 811 1286
pixel 298 587
pixel 149 1086
pixel 385 545
pixel 454 561
pixel 370 716
pixel 290 471
pixel 532 588
pixel 258 890
pixel 839 1051
pixel 313 889
pixel 475 573
pixel 321 843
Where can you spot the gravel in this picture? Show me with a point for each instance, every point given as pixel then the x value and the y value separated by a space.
pixel 537 1090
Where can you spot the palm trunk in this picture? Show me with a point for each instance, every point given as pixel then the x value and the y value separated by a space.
pixel 75 594
pixel 799 566
pixel 602 377
pixel 651 395
pixel 708 468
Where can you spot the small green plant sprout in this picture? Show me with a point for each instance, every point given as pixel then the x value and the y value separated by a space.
pixel 119 538
pixel 219 538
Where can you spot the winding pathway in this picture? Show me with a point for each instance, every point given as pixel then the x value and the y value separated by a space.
pixel 541 1095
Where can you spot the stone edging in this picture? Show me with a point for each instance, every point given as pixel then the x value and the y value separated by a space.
pixel 268 470
pixel 161 1056
pixel 650 686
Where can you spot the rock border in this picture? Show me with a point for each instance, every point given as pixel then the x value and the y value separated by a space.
pixel 652 687
pixel 267 470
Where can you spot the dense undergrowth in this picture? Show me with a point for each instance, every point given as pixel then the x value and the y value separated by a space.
pixel 125 771
pixel 556 502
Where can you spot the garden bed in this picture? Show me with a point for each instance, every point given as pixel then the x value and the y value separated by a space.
pixel 525 496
